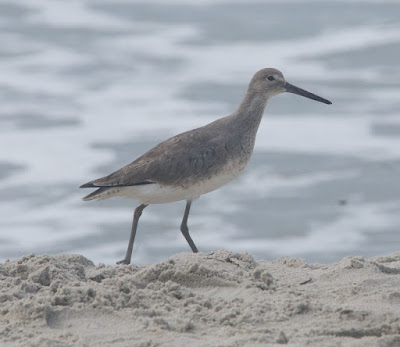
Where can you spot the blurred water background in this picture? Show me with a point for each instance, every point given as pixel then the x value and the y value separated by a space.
pixel 87 86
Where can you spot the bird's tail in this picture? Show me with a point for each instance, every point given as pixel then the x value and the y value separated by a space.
pixel 101 193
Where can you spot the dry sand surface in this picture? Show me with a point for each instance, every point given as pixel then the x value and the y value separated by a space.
pixel 216 299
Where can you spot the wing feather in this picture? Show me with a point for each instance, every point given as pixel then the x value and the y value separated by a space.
pixel 195 154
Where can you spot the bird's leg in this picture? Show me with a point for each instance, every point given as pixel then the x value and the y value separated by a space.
pixel 185 229
pixel 136 216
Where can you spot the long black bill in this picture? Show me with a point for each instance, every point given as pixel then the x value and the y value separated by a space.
pixel 290 88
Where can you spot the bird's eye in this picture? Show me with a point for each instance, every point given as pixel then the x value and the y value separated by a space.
pixel 270 78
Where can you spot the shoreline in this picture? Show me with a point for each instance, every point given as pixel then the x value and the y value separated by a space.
pixel 216 299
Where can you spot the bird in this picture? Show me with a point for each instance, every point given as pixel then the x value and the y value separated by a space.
pixel 197 161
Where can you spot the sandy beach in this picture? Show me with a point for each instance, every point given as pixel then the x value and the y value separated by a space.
pixel 216 299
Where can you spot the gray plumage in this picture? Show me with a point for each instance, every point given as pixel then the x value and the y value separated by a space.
pixel 191 155
pixel 197 161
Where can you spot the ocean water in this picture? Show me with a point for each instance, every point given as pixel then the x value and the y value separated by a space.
pixel 87 86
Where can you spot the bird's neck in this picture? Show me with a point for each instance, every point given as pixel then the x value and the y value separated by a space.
pixel 250 112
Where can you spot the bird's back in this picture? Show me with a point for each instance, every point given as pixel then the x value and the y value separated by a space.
pixel 191 157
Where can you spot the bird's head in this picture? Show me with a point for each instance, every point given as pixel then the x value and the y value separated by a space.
pixel 271 82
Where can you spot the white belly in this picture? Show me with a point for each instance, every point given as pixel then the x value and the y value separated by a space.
pixel 158 194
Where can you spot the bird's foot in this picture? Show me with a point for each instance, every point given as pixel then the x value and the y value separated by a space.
pixel 124 262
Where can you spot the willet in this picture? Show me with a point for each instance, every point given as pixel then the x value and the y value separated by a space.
pixel 198 161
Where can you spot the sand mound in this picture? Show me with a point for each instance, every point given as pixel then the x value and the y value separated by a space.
pixel 217 299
